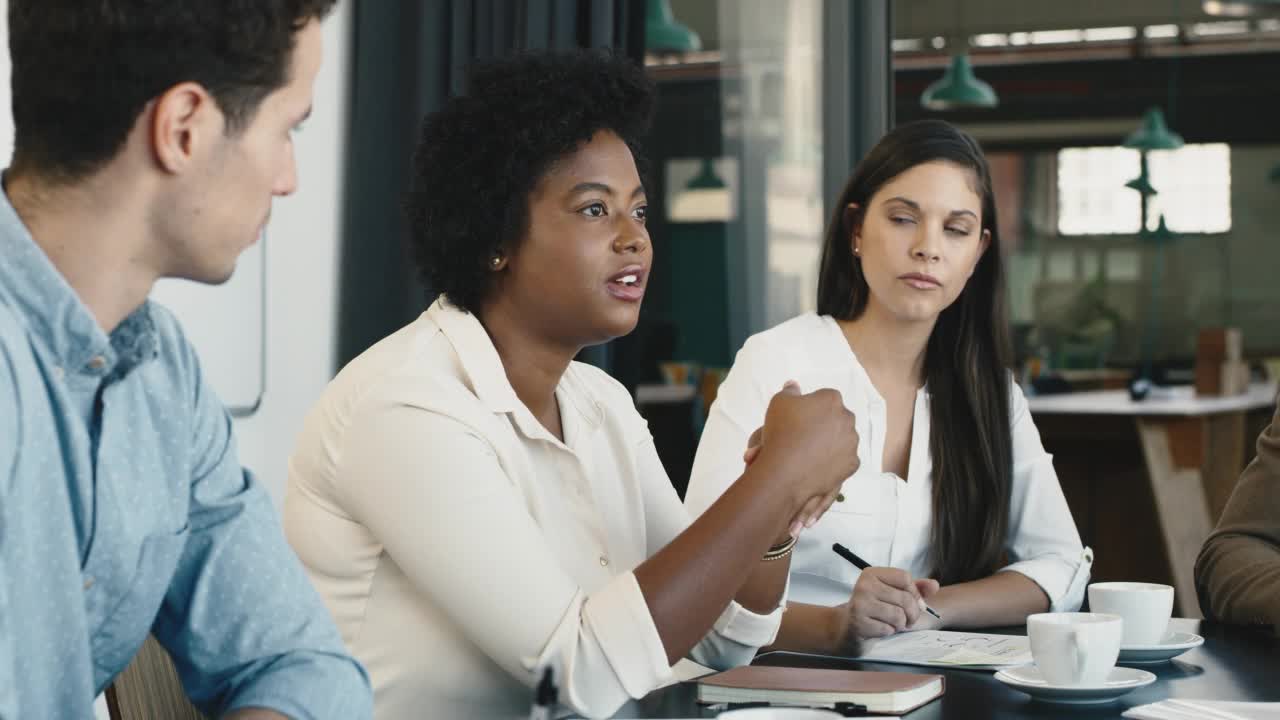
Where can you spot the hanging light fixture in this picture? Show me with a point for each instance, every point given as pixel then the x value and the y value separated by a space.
pixel 1142 183
pixel 1154 134
pixel 705 198
pixel 959 88
pixel 664 34
pixel 1240 8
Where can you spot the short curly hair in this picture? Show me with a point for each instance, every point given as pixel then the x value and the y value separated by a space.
pixel 481 156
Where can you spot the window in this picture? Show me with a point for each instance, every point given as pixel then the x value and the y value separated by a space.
pixel 1193 185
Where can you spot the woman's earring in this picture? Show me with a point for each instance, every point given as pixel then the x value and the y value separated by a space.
pixel 495 262
pixel 857 251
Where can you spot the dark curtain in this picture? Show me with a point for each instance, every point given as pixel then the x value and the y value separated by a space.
pixel 408 57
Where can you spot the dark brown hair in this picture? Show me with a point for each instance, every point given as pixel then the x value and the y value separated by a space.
pixel 84 71
pixel 966 364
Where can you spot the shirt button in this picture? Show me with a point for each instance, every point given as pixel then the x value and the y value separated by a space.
pixel 59 373
pixel 97 362
pixel 604 561
pixel 88 583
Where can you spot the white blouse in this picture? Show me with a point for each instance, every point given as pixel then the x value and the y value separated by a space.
pixel 883 518
pixel 461 547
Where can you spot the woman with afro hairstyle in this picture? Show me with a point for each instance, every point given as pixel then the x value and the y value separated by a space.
pixel 476 508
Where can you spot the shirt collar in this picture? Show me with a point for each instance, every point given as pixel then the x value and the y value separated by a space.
pixel 488 378
pixel 56 315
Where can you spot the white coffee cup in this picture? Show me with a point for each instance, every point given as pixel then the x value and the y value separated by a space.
pixel 1145 607
pixel 1075 649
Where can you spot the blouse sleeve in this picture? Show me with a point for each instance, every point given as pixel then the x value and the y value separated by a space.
pixel 738 633
pixel 433 491
pixel 738 410
pixel 1043 542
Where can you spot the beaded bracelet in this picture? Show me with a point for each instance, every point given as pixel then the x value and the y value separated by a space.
pixel 777 552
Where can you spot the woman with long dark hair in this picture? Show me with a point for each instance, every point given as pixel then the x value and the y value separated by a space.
pixel 955 500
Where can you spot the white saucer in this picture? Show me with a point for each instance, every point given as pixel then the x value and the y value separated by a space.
pixel 1121 680
pixel 1169 647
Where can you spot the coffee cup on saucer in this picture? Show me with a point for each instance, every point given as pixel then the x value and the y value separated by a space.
pixel 1145 608
pixel 1075 649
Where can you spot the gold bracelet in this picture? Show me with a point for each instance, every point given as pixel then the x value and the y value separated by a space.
pixel 777 552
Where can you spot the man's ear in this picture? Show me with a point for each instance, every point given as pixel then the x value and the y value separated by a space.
pixel 182 118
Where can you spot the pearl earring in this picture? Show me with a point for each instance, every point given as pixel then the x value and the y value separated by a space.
pixel 495 261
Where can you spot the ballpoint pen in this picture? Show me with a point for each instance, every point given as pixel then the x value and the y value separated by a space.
pixel 861 564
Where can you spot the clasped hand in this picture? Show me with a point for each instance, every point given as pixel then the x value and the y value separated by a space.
pixel 814 436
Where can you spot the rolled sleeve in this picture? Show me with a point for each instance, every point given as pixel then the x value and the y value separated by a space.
pixel 619 618
pixel 738 634
pixel 328 694
pixel 742 626
pixel 1043 542
pixel 1061 579
pixel 240 618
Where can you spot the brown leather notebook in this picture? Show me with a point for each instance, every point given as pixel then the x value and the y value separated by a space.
pixel 885 693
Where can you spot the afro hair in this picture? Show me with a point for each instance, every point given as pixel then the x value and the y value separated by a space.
pixel 481 156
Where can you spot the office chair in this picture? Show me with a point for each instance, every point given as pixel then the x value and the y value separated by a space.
pixel 149 689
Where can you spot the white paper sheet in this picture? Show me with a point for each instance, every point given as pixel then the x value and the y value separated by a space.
pixel 1205 710
pixel 945 648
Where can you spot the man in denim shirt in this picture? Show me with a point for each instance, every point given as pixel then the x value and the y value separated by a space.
pixel 151 139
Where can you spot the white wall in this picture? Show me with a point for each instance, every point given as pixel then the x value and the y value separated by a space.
pixel 302 271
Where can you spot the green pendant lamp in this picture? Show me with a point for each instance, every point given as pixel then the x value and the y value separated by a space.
pixel 664 34
pixel 1142 183
pixel 1240 8
pixel 705 198
pixel 1154 134
pixel 959 88
pixel 706 179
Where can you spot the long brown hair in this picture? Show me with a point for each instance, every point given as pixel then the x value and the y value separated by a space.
pixel 967 359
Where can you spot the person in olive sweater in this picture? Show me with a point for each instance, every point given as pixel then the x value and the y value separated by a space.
pixel 1238 571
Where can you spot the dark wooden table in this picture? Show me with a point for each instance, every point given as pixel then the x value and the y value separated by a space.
pixel 1234 663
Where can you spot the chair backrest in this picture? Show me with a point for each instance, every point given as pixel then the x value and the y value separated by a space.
pixel 149 688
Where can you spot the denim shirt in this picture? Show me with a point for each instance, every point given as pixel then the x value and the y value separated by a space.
pixel 124 511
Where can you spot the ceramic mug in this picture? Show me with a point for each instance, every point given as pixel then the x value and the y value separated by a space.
pixel 1145 608
pixel 1075 649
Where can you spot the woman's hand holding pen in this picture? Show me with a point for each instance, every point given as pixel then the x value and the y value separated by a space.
pixel 885 601
pixel 817 433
